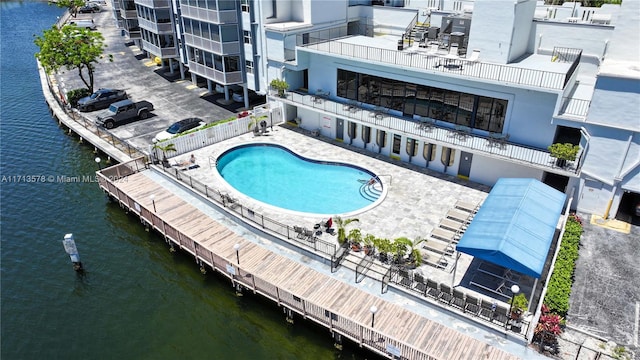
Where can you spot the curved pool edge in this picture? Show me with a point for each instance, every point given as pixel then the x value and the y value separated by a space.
pixel 250 200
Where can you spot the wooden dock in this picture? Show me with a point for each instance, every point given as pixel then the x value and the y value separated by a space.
pixel 340 307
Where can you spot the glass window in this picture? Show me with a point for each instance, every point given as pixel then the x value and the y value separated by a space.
pixel 448 156
pixel 483 113
pixel 412 147
pixel 397 140
pixel 381 138
pixel 196 28
pixel 229 33
pixel 226 4
pixel 436 103
pixel 410 99
pixel 231 63
pixel 429 152
pixel 249 66
pixel 363 88
pixel 351 85
pixel 188 29
pixel 422 101
pixel 366 134
pixel 341 88
pixel 465 109
pixel 217 62
pixel 208 59
pixel 497 115
pixel 451 100
pixel 244 5
pixel 351 129
pixel 246 36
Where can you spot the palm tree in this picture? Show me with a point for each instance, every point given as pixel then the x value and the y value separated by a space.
pixel 165 149
pixel 415 254
pixel 255 121
pixel 401 245
pixel 341 224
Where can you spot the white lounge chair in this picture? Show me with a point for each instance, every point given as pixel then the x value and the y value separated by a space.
pixel 475 55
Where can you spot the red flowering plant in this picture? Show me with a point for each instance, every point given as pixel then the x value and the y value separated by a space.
pixel 548 328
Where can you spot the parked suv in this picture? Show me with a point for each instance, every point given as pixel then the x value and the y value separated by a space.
pixel 101 99
pixel 179 127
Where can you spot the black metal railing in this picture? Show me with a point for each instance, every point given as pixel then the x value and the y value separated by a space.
pixel 90 126
pixel 311 243
pixel 496 145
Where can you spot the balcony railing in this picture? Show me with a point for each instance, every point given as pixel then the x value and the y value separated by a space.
pixel 436 63
pixel 574 107
pixel 168 52
pixel 460 137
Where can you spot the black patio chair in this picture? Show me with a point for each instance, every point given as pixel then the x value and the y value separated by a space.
pixel 446 295
pixel 420 284
pixel 471 305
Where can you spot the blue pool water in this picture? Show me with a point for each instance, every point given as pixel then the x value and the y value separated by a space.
pixel 276 176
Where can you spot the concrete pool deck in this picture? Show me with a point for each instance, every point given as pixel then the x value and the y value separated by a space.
pixel 416 199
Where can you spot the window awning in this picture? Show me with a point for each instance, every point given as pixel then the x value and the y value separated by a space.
pixel 515 225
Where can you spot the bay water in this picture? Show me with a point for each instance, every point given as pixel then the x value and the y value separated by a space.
pixel 136 300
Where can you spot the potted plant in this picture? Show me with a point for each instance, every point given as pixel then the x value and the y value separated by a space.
pixel 401 245
pixel 415 257
pixel 280 85
pixel 258 123
pixel 355 237
pixel 368 241
pixel 384 247
pixel 165 149
pixel 563 153
pixel 519 304
pixel 341 224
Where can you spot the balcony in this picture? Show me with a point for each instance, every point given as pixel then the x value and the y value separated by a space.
pixel 216 47
pixel 575 108
pixel 493 145
pixel 220 77
pixel 208 15
pixel 440 63
pixel 156 28
pixel 163 53
pixel 154 4
pixel 129 14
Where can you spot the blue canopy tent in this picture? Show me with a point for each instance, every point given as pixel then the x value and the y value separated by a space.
pixel 515 226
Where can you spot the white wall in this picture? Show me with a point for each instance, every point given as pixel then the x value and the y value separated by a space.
pixel 487 171
pixel 590 38
pixel 523 14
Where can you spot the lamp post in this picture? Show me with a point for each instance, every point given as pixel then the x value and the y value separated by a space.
pixel 515 289
pixel 374 310
pixel 153 201
pixel 236 247
pixel 98 160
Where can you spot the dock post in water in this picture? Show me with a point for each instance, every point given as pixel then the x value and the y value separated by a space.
pixel 71 249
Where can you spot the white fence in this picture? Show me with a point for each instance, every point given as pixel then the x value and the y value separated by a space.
pixel 208 136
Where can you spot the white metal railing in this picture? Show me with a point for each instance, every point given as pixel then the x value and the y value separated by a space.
pixel 432 130
pixel 437 63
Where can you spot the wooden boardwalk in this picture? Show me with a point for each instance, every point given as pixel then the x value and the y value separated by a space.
pixel 340 307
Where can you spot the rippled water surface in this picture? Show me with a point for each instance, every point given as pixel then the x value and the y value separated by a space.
pixel 137 300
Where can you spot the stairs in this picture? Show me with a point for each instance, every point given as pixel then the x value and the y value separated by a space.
pixel 371 192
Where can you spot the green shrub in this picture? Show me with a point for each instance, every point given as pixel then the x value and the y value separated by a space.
pixel 559 288
pixel 76 94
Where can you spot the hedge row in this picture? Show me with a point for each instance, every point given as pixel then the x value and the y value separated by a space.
pixel 559 289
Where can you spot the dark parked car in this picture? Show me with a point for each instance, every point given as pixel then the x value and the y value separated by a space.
pixel 179 127
pixel 101 99
pixel 89 8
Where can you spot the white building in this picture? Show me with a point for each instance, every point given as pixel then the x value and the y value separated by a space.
pixel 475 89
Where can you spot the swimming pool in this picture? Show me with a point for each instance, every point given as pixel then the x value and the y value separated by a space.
pixel 277 176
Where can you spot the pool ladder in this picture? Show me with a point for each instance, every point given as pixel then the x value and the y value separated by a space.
pixel 369 192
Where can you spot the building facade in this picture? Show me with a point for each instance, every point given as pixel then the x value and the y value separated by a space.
pixel 474 89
